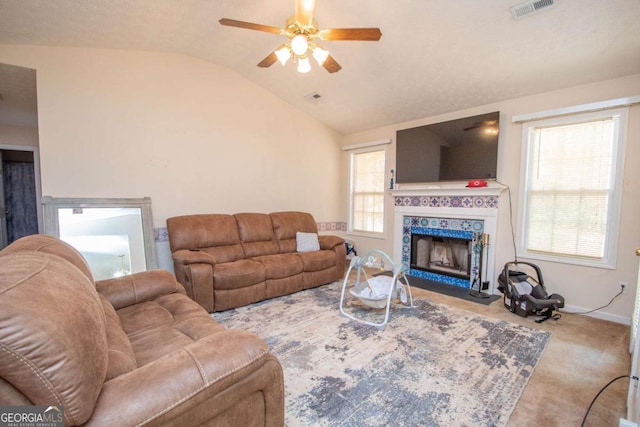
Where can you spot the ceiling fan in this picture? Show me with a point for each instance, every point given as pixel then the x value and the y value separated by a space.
pixel 303 33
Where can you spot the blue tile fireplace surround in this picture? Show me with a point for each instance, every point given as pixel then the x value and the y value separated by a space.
pixel 463 221
pixel 465 230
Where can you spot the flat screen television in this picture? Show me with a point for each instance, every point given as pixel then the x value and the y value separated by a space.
pixel 456 150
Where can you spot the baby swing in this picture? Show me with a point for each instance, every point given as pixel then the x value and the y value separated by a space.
pixel 377 291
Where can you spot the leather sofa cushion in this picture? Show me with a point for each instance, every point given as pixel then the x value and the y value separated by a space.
pixel 256 234
pixel 203 231
pixel 255 249
pixel 318 260
pixel 287 224
pixel 254 227
pixel 51 245
pixel 281 265
pixel 164 325
pixel 221 254
pixel 53 325
pixel 121 357
pixel 238 274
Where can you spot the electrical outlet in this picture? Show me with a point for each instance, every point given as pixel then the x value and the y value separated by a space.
pixel 624 286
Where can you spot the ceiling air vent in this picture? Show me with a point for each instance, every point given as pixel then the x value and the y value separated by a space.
pixel 530 7
pixel 315 96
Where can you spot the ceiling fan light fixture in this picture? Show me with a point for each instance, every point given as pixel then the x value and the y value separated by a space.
pixel 283 54
pixel 302 31
pixel 299 44
pixel 320 55
pixel 304 66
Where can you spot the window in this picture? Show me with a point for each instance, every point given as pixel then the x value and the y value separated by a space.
pixel 572 178
pixel 367 191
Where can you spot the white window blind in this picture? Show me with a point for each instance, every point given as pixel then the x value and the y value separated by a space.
pixel 367 194
pixel 571 187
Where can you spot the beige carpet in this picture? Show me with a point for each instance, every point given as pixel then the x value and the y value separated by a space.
pixel 432 365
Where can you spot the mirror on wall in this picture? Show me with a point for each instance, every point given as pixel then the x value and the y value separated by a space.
pixel 114 235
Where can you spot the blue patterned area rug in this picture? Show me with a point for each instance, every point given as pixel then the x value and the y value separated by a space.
pixel 431 366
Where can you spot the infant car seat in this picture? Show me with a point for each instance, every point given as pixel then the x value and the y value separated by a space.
pixel 525 294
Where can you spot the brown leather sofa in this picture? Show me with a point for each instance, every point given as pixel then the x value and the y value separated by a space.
pixel 227 261
pixel 128 351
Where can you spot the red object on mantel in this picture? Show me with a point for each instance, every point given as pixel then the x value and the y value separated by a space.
pixel 477 183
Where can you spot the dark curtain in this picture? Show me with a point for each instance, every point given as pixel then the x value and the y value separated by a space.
pixel 20 199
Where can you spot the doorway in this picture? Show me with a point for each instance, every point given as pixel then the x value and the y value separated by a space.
pixel 19 193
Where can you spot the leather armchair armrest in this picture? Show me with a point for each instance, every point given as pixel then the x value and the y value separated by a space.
pixel 195 384
pixel 330 242
pixel 139 287
pixel 192 256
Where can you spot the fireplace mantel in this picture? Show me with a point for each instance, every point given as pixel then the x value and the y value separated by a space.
pixel 400 190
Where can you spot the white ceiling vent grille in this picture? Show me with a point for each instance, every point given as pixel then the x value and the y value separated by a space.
pixel 530 7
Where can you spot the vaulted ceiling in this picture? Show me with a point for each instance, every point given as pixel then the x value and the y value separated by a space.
pixel 434 57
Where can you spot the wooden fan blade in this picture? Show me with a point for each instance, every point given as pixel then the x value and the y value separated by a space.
pixel 268 61
pixel 250 26
pixel 331 65
pixel 362 34
pixel 304 11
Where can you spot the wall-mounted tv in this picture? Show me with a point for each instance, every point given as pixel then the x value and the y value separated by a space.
pixel 456 150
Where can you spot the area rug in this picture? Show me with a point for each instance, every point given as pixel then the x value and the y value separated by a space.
pixel 431 366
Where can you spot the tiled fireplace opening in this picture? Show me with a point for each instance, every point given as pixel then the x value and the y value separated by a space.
pixel 440 254
pixel 444 250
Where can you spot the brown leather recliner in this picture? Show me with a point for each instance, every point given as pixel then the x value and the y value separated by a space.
pixel 133 350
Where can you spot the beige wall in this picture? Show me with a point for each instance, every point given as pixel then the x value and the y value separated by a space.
pixel 18 135
pixel 583 288
pixel 195 137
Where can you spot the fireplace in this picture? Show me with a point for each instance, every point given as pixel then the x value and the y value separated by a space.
pixel 446 234
pixel 444 255
pixel 443 249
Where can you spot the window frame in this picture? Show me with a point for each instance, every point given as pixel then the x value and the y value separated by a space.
pixel 609 258
pixel 352 153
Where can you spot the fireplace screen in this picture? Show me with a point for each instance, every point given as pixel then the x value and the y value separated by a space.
pixel 444 255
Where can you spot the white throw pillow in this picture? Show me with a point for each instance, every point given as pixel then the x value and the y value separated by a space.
pixel 307 242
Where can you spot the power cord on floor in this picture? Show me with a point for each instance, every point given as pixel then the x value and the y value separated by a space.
pixel 600 392
pixel 595 309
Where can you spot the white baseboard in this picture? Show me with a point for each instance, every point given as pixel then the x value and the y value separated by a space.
pixel 598 314
pixel 626 423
